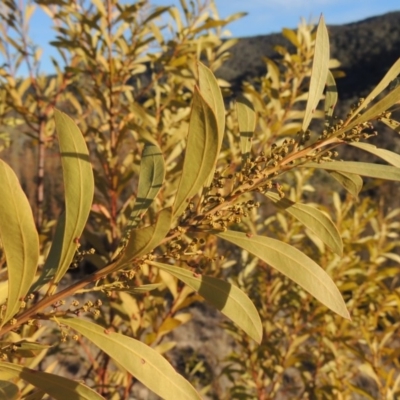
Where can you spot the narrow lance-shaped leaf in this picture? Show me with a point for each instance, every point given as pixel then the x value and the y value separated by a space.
pixel 294 264
pixel 227 298
pixel 351 182
pixel 201 152
pixel 319 72
pixel 247 124
pixel 374 111
pixel 140 360
pixel 151 178
pixel 19 239
pixel 389 77
pixel 142 241
pixel 79 189
pixel 331 96
pixel 211 93
pixel 57 387
pixel 378 171
pixel 313 219
pixel 389 156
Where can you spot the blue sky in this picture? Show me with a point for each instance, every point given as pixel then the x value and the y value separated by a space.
pixel 264 16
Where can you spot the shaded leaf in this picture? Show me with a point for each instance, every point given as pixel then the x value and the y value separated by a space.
pixel 247 124
pixel 151 178
pixel 313 219
pixel 391 123
pixel 56 386
pixel 8 391
pixel 319 72
pixel 201 152
pixel 389 156
pixel 294 264
pixel 211 93
pixel 19 239
pixel 142 241
pixel 331 96
pixel 227 298
pixel 351 182
pixel 378 171
pixel 140 360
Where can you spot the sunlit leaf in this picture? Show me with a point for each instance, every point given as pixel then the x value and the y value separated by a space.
pixel 391 123
pixel 227 298
pixel 142 241
pixel 201 152
pixel 351 182
pixel 389 77
pixel 389 156
pixel 313 219
pixel 79 189
pixel 294 264
pixel 56 386
pixel 151 178
pixel 19 239
pixel 144 363
pixel 378 171
pixel 319 72
pixel 247 123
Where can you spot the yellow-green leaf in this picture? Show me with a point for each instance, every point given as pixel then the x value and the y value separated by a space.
pixel 351 182
pixel 142 241
pixel 201 152
pixel 151 178
pixel 331 96
pixel 140 360
pixel 56 386
pixel 389 156
pixel 19 239
pixel 389 77
pixel 319 72
pixel 247 124
pixel 8 391
pixel 227 298
pixel 378 171
pixel 79 189
pixel 211 93
pixel 313 219
pixel 294 264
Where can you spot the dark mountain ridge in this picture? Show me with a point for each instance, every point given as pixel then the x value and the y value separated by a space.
pixel 366 50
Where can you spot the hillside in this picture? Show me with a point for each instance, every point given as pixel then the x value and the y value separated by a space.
pixel 366 50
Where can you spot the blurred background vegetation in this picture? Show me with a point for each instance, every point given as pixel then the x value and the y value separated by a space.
pixel 128 78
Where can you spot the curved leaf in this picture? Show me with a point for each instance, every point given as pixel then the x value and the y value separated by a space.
pixel 313 219
pixel 142 241
pixel 351 182
pixel 319 72
pixel 331 96
pixel 19 239
pixel 389 77
pixel 140 360
pixel 211 93
pixel 247 124
pixel 294 264
pixel 79 189
pixel 56 386
pixel 151 178
pixel 227 298
pixel 389 156
pixel 378 171
pixel 201 152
